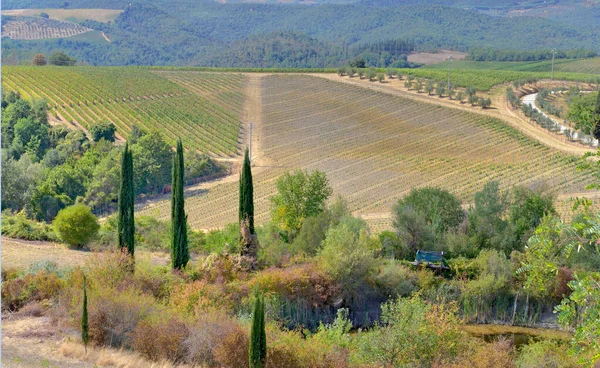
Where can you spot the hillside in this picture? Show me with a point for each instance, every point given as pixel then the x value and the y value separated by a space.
pixel 202 108
pixel 374 148
pixel 201 33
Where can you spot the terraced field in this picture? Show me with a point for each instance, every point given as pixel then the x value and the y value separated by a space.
pixel 375 147
pixel 202 108
pixel 29 28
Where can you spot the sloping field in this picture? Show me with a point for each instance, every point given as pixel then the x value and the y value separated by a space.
pixel 70 15
pixel 375 147
pixel 208 122
pixel 563 68
pixel 27 28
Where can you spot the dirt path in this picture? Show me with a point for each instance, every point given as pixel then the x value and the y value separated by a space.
pixel 499 110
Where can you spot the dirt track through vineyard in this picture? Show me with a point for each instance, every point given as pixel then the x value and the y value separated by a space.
pixel 374 146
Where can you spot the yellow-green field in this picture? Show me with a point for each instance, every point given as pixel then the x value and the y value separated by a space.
pixel 70 15
pixel 202 108
pixel 374 148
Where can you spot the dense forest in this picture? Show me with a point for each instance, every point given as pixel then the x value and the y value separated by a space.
pixel 205 33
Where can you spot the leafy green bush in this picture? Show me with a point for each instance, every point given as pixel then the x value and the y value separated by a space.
pixel 76 225
pixel 18 226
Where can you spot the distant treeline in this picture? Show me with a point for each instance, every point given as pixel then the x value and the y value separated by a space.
pixel 487 54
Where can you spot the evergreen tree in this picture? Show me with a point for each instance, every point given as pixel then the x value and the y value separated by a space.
pixel 126 225
pixel 597 117
pixel 258 335
pixel 246 211
pixel 179 242
pixel 84 318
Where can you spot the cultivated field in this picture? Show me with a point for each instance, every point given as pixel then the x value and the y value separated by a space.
pixel 375 147
pixel 26 28
pixel 70 15
pixel 432 58
pixel 206 115
pixel 581 67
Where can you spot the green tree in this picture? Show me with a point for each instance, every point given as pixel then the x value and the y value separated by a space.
pixel 76 225
pixel 61 59
pixel 126 220
pixel 440 209
pixel 528 207
pixel 487 216
pixel 84 318
pixel 258 335
pixel 440 89
pixel 380 77
pixel 429 86
pixel 413 230
pixel 179 242
pixel 299 195
pixel 103 130
pixel 596 119
pixel 249 246
pixel 153 163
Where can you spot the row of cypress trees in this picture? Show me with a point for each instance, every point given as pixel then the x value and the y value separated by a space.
pixel 179 239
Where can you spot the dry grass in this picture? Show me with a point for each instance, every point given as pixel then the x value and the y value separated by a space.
pixel 438 57
pixel 108 357
pixel 21 254
pixel 77 15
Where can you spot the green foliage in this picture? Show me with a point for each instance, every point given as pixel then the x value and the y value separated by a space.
pixel 440 209
pixel 125 213
pixel 85 337
pixel 413 230
pixel 528 208
pixel 103 130
pixel 258 335
pixel 299 195
pixel 76 225
pixel 348 256
pixel 413 333
pixel 60 59
pixel 246 207
pixel 18 226
pixel 180 254
pixel 582 111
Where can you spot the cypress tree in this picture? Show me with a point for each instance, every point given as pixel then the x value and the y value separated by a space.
pixel 258 335
pixel 596 118
pixel 126 225
pixel 246 211
pixel 179 242
pixel 84 318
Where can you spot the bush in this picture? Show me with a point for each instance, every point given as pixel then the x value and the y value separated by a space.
pixel 19 227
pixel 200 297
pixel 161 339
pixel 545 354
pixel 76 225
pixel 232 351
pixel 395 280
pixel 212 333
pixel 103 130
pixel 499 354
pixel 32 287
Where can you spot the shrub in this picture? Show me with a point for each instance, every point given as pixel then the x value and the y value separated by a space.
pixel 18 226
pixel 499 354
pixel 76 225
pixel 103 130
pixel 32 287
pixel 545 354
pixel 395 280
pixel 113 317
pixel 200 297
pixel 232 351
pixel 161 338
pixel 207 335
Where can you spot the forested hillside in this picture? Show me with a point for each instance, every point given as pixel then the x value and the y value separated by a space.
pixel 208 33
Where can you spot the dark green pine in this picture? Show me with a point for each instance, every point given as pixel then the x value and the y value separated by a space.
pixel 246 210
pixel 84 318
pixel 126 222
pixel 179 242
pixel 258 336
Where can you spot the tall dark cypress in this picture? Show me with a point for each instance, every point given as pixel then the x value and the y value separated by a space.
pixel 179 242
pixel 596 117
pixel 246 211
pixel 84 318
pixel 258 335
pixel 126 224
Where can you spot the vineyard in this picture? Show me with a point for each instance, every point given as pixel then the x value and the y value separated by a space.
pixel 375 147
pixel 484 77
pixel 26 28
pixel 206 115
